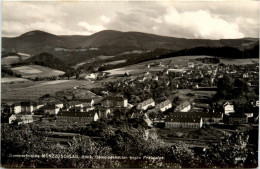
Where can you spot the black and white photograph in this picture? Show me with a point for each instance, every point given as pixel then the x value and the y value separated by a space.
pixel 129 84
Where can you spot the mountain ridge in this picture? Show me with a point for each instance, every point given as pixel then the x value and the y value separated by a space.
pixel 108 42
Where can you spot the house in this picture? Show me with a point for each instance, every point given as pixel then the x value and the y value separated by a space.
pixel 245 75
pixel 5 108
pixel 155 77
pixel 24 119
pixel 157 63
pixel 91 76
pixel 163 106
pixel 236 118
pixel 104 111
pixel 249 115
pixel 77 117
pixel 8 118
pixel 86 102
pixel 228 108
pixel 73 104
pixel 184 106
pixel 190 64
pixel 146 119
pixel 57 103
pixel 51 109
pixel 114 101
pixel 145 104
pixel 209 117
pixel 183 122
pixel 37 105
pixel 27 107
pixel 16 108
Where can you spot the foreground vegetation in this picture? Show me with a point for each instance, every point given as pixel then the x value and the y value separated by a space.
pixel 137 147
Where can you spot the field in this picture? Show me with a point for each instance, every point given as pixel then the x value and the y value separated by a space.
pixel 116 62
pixel 33 90
pixel 29 71
pixel 105 57
pixel 239 61
pixel 10 60
pixel 13 80
pixel 180 60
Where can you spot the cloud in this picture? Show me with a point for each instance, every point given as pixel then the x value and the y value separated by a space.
pixel 193 19
pixel 201 24
pixel 91 28
pixel 105 19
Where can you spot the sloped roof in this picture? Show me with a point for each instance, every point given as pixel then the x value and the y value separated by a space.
pixel 198 114
pixel 181 106
pixel 184 119
pixel 16 104
pixel 76 114
pixel 37 103
pixel 73 103
pixel 26 104
pixel 146 102
pixel 24 117
pixel 163 104
pixel 237 115
pixel 50 107
pixel 84 100
pixel 117 98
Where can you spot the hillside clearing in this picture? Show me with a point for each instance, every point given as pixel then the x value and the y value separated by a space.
pixel 12 80
pixel 30 71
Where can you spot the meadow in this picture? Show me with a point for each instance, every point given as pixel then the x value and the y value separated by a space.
pixel 34 90
pixel 10 60
pixel 30 71
pixel 13 80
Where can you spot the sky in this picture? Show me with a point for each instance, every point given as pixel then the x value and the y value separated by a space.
pixel 185 19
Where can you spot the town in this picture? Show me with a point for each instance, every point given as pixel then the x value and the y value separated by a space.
pixel 195 106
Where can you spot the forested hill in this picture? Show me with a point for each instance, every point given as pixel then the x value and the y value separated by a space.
pixel 45 59
pixel 227 52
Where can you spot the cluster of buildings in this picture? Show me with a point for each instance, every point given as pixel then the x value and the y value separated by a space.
pixel 184 114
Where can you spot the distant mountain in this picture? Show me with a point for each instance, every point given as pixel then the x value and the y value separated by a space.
pixel 108 42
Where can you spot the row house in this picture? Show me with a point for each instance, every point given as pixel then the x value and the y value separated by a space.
pixel 183 122
pixel 145 104
pixel 77 117
pixel 234 118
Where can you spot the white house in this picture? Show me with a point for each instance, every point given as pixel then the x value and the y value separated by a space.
pixel 183 122
pixel 145 104
pixel 16 108
pixel 77 117
pixel 11 118
pixel 190 64
pixel 183 107
pixel 24 119
pixel 163 106
pixel 228 108
pixel 91 76
pixel 248 115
